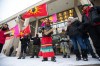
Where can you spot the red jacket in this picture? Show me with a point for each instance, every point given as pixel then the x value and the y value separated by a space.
pixel 2 37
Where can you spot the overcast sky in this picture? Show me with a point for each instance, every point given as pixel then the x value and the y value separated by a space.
pixel 11 7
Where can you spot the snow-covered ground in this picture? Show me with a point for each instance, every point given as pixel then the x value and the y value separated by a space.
pixel 13 61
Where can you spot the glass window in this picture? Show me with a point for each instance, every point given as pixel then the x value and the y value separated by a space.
pixel 54 26
pixel 60 25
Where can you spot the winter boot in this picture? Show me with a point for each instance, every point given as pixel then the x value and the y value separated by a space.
pixel 64 56
pixel 37 56
pixel 93 55
pixel 68 56
pixel 84 55
pixel 53 59
pixel 45 59
pixel 78 56
pixel 99 58
pixel 21 55
pixel 32 56
pixel 24 55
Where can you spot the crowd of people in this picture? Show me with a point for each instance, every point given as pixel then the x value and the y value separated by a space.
pixel 77 31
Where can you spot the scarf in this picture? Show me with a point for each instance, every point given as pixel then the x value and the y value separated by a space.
pixel 86 11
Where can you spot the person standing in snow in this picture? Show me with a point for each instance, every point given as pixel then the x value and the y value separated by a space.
pixel 64 44
pixel 46 43
pixel 91 22
pixel 24 40
pixel 36 46
pixel 2 38
pixel 76 37
pixel 3 34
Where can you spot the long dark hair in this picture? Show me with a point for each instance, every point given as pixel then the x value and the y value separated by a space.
pixel 5 29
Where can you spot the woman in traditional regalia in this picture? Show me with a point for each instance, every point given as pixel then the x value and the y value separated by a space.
pixel 46 42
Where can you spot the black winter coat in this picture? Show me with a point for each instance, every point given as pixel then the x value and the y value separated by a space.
pixel 94 16
pixel 73 29
pixel 36 41
pixel 25 40
pixel 83 31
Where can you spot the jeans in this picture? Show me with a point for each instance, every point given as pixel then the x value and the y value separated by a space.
pixel 88 45
pixel 77 39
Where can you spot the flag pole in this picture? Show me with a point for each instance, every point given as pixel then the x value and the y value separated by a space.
pixel 19 22
pixel 36 29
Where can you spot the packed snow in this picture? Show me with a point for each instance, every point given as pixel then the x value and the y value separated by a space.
pixel 13 61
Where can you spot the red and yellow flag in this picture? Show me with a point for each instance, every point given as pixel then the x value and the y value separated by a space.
pixel 27 30
pixel 40 10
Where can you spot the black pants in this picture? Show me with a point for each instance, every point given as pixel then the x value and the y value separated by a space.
pixel 23 48
pixel 1 46
pixel 11 51
pixel 94 32
pixel 36 50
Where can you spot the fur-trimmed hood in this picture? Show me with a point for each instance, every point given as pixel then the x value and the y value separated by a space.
pixel 72 20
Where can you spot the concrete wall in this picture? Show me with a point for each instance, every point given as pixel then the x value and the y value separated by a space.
pixel 96 2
